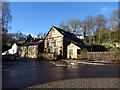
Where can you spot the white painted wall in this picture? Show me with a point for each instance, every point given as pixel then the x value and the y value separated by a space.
pixel 73 45
pixel 13 50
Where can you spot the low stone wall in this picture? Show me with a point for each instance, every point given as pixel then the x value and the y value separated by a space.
pixel 99 56
pixel 46 55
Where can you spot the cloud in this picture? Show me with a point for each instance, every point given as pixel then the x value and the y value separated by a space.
pixel 104 9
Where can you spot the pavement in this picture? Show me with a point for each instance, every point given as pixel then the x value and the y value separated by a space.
pixel 73 62
pixel 90 62
pixel 81 83
pixel 11 65
pixel 29 72
pixel 6 66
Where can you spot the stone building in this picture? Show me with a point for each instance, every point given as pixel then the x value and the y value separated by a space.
pixel 56 42
pixel 31 48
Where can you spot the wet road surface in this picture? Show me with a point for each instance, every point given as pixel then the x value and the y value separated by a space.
pixel 38 72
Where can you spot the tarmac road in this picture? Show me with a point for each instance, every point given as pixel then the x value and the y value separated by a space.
pixel 29 72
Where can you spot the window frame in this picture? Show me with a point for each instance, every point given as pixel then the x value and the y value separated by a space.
pixel 56 51
pixel 70 51
pixel 22 53
pixel 48 50
pixel 33 53
pixel 49 44
pixel 34 47
pixel 56 43
pixel 21 48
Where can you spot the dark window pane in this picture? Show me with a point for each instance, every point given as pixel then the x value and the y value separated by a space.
pixel 71 51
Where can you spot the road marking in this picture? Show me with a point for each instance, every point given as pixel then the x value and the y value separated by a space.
pixel 58 64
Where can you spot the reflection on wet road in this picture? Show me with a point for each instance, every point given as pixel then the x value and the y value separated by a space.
pixel 38 72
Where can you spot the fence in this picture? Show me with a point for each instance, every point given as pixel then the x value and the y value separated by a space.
pixel 99 56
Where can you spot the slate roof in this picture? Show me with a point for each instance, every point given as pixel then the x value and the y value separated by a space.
pixel 6 46
pixel 33 43
pixel 30 41
pixel 72 37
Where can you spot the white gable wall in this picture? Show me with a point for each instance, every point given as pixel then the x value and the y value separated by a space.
pixel 74 48
pixel 73 45
pixel 13 50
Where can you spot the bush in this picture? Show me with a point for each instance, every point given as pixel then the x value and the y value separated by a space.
pixel 90 60
pixel 98 48
pixel 83 51
pixel 56 57
pixel 116 50
pixel 116 60
pixel 108 48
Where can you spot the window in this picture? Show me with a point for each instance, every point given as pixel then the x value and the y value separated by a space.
pixel 56 43
pixel 22 53
pixel 21 48
pixel 49 44
pixel 71 51
pixel 17 49
pixel 28 47
pixel 52 39
pixel 33 54
pixel 28 53
pixel 56 51
pixel 78 51
pixel 48 50
pixel 33 47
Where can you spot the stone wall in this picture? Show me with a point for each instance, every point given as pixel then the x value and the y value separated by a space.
pixel 99 56
pixel 47 55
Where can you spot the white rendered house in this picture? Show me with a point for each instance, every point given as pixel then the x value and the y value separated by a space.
pixel 12 51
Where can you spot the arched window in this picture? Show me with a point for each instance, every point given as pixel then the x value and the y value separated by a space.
pixel 56 43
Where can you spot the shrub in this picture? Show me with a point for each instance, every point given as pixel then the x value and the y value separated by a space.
pixel 98 48
pixel 56 57
pixel 108 48
pixel 116 51
pixel 83 51
pixel 116 60
pixel 90 60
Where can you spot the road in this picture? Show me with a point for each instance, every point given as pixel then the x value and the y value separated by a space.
pixel 24 73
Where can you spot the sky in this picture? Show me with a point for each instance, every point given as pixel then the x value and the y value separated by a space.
pixel 36 17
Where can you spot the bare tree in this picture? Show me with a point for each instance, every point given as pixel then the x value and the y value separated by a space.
pixel 100 24
pixel 41 35
pixel 89 26
pixel 62 25
pixel 44 35
pixel 84 26
pixel 114 20
pixel 115 25
pixel 6 16
pixel 65 27
pixel 74 25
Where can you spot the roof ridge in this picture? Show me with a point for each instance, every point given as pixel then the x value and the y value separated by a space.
pixel 62 30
